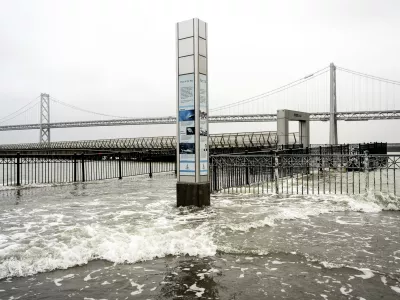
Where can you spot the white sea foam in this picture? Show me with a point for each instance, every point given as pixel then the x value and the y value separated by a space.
pixel 102 243
pixel 396 289
pixel 12 186
pixel 135 231
pixel 304 207
pixel 138 286
pixel 383 200
pixel 367 273
pixel 345 291
pixel 89 276
pixel 198 290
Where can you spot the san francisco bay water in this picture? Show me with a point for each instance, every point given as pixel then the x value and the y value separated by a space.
pixel 126 239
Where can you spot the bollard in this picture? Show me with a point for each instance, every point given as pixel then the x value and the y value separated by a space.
pixel 18 169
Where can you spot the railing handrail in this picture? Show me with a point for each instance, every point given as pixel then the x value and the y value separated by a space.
pixel 301 155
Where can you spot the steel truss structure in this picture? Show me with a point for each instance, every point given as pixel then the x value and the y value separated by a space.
pixel 217 141
pixel 358 116
pixel 44 118
pixel 318 116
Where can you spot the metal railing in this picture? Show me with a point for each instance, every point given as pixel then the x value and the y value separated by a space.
pixel 216 141
pixel 17 170
pixel 305 173
pixel 372 148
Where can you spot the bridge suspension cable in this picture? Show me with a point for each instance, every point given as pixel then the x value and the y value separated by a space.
pixel 373 96
pixel 363 92
pixel 275 91
pixel 369 76
pixel 85 110
pixel 32 104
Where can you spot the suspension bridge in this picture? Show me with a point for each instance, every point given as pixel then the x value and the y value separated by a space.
pixel 330 94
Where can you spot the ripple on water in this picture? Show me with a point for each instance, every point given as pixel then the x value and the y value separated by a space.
pixel 137 220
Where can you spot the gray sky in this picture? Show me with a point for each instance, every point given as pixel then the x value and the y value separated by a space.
pixel 118 57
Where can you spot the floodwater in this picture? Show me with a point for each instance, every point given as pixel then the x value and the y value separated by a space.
pixel 125 239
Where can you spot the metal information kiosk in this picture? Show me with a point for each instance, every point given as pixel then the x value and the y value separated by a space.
pixel 193 187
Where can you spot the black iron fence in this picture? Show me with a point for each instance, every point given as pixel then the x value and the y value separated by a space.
pixel 33 169
pixel 305 173
pixel 372 148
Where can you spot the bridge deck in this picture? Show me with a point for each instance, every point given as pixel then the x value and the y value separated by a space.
pixel 315 116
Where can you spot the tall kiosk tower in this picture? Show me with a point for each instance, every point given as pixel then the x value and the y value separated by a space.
pixel 193 186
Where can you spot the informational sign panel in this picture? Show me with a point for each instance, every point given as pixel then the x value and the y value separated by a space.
pixel 203 125
pixel 192 102
pixel 186 125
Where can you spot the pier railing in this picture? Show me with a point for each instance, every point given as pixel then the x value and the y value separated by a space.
pixel 16 170
pixel 305 173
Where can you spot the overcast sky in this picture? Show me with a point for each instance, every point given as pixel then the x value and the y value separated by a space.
pixel 118 57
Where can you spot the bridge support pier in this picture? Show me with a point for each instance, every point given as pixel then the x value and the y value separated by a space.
pixel 193 187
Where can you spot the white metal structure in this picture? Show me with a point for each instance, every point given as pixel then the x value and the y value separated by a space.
pixel 333 134
pixel 284 116
pixel 316 116
pixel 44 119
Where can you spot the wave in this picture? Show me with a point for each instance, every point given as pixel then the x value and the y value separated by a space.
pixel 81 245
pixel 77 245
pixel 312 205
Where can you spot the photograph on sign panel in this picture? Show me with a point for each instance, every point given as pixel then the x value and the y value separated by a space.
pixel 186 148
pixel 186 115
pixel 190 130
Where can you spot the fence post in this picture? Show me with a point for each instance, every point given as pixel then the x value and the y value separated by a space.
pixel 176 168
pixel 276 167
pixel 18 169
pixel 74 167
pixel 246 152
pixel 320 159
pixel 83 167
pixel 214 174
pixel 366 170
pixel 119 165
pixel 150 166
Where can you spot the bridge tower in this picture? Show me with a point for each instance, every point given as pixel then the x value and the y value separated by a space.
pixel 333 134
pixel 44 137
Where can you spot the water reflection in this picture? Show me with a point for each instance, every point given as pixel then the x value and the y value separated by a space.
pixel 189 278
pixel 17 196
